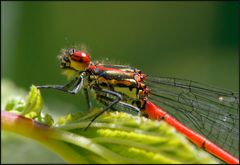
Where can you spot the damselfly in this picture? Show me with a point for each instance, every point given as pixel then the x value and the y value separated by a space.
pixel 207 116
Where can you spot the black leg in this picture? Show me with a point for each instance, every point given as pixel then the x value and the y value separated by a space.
pixel 118 98
pixel 87 99
pixel 76 83
pixel 133 108
pixel 124 107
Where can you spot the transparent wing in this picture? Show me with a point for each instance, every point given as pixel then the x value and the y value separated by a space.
pixel 212 112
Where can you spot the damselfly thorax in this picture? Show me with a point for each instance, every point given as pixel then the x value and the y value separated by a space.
pixel 119 78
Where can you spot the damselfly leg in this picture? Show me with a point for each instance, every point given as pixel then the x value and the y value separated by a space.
pixel 120 106
pixel 76 84
pixel 86 95
pixel 118 98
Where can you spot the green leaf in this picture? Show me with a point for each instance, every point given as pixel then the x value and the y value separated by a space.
pixel 16 104
pixel 135 140
pixel 33 103
pixel 30 108
pixel 46 119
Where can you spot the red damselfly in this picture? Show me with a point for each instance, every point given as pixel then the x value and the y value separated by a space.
pixel 207 116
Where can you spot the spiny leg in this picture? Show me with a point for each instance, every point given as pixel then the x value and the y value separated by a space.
pixel 118 98
pixel 104 99
pixel 76 83
pixel 60 87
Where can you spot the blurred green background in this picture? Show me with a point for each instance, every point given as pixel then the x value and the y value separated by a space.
pixel 190 40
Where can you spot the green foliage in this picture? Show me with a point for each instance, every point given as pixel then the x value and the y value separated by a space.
pixel 115 137
pixel 31 108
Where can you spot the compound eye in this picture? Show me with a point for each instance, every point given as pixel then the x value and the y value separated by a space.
pixel 81 57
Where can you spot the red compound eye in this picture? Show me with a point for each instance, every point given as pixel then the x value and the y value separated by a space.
pixel 81 57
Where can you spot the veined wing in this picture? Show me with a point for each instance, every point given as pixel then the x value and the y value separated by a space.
pixel 212 112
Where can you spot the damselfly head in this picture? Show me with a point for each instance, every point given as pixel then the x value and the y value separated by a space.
pixel 73 61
